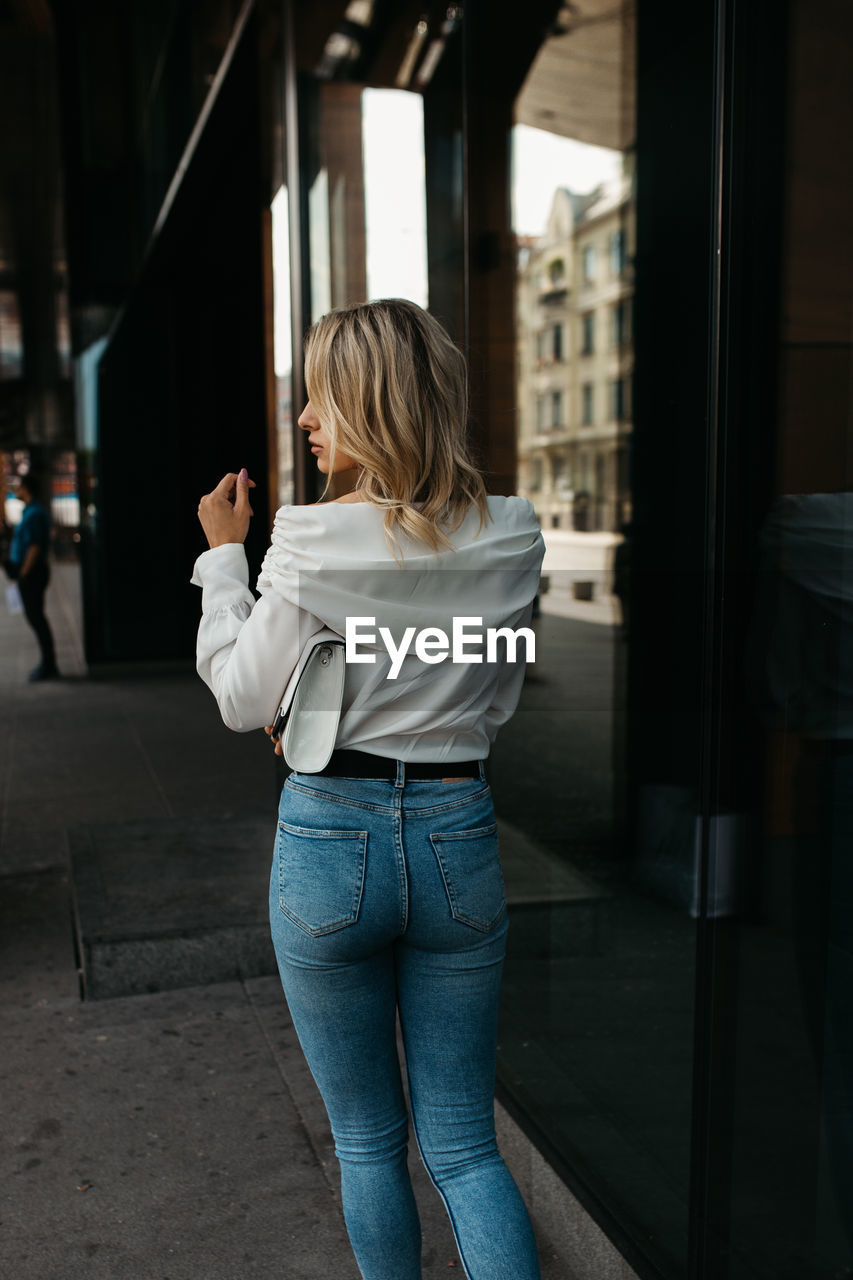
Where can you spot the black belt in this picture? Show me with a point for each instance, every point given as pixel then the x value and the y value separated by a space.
pixel 359 764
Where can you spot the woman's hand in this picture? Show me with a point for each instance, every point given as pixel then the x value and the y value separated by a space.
pixel 277 741
pixel 225 513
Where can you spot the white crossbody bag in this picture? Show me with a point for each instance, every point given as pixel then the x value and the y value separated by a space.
pixel 310 709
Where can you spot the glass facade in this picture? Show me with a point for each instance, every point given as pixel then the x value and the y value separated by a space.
pixel 596 1043
pixel 635 219
pixel 651 914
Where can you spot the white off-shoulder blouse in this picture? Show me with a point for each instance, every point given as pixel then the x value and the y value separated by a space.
pixel 331 562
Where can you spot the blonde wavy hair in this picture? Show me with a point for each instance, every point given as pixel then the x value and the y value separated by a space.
pixel 391 389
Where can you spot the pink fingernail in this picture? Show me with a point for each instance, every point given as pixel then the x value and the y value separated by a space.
pixel 244 475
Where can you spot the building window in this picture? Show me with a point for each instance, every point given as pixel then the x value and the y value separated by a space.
pixel 617 399
pixel 555 522
pixel 542 422
pixel 587 404
pixel 622 475
pixel 558 469
pixel 619 324
pixel 589 263
pixel 588 333
pixel 535 475
pixel 549 345
pixel 617 253
pixel 557 273
pixel 556 408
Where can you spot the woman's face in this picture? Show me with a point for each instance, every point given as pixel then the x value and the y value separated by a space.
pixel 321 443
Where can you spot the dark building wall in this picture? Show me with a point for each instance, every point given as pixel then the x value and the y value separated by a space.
pixel 181 387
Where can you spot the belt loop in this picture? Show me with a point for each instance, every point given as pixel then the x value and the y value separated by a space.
pixel 400 780
pixel 481 769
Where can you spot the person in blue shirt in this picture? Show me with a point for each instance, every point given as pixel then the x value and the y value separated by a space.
pixel 28 565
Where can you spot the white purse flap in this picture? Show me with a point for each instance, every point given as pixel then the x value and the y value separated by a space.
pixel 310 710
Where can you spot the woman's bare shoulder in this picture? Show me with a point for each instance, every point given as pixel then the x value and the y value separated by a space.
pixel 334 502
pixel 350 497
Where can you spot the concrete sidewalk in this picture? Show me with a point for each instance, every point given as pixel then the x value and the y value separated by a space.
pixel 171 1135
pixel 172 1131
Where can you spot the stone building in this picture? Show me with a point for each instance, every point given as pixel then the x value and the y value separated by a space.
pixel 575 359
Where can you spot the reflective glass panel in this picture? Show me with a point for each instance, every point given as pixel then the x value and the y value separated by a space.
pixel 363 100
pixel 600 862
pixel 780 962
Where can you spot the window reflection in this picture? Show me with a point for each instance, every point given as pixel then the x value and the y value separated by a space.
pixel 395 195
pixel 561 290
pixel 11 343
pixel 367 198
pixel 367 234
pixel 318 223
pixel 282 344
pixel 605 845
pixel 596 1045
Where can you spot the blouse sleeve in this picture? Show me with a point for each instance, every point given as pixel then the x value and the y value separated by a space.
pixel 246 650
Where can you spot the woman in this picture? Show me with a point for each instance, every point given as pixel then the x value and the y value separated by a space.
pixel 386 896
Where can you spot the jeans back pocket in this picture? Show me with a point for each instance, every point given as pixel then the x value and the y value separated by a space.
pixel 320 876
pixel 472 875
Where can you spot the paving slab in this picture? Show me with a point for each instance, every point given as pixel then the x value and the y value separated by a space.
pixel 171 902
pixel 155 1137
pixel 37 961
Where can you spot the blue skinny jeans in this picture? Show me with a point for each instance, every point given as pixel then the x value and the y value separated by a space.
pixel 385 899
